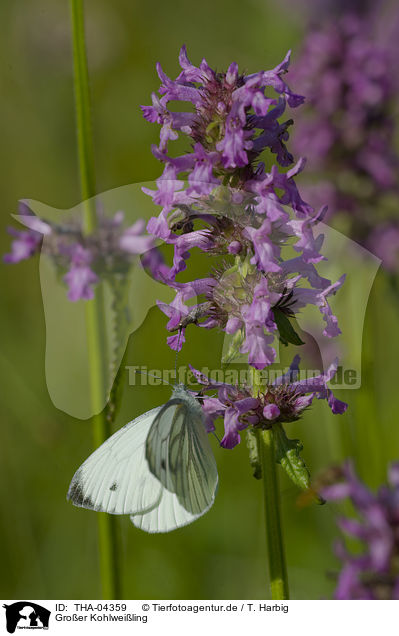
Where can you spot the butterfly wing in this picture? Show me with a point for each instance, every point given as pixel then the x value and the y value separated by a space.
pixel 115 478
pixel 159 468
pixel 180 456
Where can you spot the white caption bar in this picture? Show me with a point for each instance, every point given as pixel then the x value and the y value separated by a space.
pixel 191 617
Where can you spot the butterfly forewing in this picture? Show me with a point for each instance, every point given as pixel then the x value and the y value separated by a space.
pixel 170 418
pixel 180 456
pixel 115 478
pixel 197 486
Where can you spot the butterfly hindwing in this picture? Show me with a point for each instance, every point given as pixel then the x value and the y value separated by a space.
pixel 115 478
pixel 170 418
pixel 168 515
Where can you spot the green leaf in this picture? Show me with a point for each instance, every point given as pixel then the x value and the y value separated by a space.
pixel 288 455
pixel 285 328
pixel 254 453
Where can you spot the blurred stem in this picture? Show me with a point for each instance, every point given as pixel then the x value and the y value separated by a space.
pixel 83 118
pixel 274 530
pixel 94 309
pixel 369 429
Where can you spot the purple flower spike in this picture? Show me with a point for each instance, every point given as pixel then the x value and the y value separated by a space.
pixel 232 208
pixel 222 125
pixel 283 401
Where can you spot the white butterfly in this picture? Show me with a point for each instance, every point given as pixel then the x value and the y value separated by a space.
pixel 159 468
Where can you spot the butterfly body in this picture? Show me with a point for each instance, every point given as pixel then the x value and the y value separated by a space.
pixel 159 468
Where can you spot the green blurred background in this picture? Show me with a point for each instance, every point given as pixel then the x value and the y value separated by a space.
pixel 48 548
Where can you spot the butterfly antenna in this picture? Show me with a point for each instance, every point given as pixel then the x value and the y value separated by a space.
pixel 177 353
pixel 151 375
pixel 213 433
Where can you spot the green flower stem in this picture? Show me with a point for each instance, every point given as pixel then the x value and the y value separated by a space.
pixel 370 431
pixel 94 309
pixel 83 118
pixel 274 530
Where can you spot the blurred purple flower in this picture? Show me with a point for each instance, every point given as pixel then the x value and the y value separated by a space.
pixel 106 253
pixel 80 277
pixel 348 71
pixel 24 245
pixel 374 573
pixel 384 242
pixel 134 241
